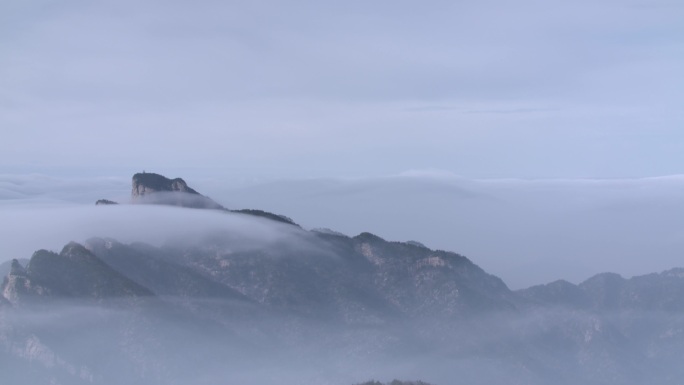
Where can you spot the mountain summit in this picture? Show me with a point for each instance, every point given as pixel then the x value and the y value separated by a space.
pixel 151 188
pixel 147 182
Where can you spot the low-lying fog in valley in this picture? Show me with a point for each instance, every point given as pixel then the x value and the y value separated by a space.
pixel 154 294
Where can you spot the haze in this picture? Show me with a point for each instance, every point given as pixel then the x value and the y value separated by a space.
pixel 312 110
pixel 525 231
pixel 540 139
pixel 304 89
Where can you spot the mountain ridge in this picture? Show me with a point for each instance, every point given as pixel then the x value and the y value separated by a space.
pixel 187 308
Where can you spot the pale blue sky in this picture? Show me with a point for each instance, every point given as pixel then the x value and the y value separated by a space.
pixel 356 88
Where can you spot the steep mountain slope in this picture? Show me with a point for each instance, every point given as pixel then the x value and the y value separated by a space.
pixel 145 265
pixel 74 272
pixel 358 278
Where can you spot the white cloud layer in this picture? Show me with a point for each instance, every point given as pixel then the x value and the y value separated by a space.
pixel 525 231
pixel 27 228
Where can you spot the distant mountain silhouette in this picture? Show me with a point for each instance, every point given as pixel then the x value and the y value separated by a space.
pixel 611 292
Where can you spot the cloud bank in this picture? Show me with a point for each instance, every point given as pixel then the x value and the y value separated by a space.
pixel 28 229
pixel 524 231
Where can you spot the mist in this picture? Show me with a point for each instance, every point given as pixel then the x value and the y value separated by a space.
pixel 480 192
pixel 209 296
pixel 525 231
pixel 151 343
pixel 33 228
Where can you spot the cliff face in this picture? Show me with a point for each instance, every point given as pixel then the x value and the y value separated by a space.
pixel 153 188
pixel 145 183
pixel 16 283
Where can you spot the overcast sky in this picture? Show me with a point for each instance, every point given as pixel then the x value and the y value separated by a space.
pixel 355 88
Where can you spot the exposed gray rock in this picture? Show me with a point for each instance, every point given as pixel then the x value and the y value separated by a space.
pixel 146 182
pixel 105 202
pixel 150 188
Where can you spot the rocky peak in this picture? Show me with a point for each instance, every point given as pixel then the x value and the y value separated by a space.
pixel 105 202
pixel 147 182
pixel 17 269
pixel 75 251
pixel 150 188
pixel 16 283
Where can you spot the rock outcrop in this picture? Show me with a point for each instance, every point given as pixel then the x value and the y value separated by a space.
pixel 146 182
pixel 105 202
pixel 151 188
pixel 16 283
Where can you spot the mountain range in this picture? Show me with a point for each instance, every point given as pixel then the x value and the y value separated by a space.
pixel 319 307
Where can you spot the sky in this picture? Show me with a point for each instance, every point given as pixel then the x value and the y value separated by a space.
pixel 344 114
pixel 486 89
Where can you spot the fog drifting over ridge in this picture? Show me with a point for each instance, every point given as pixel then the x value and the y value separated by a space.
pixel 524 231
